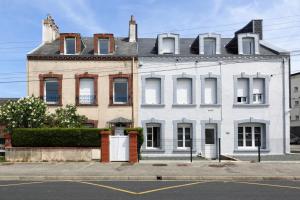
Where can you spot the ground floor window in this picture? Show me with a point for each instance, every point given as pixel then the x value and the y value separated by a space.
pixel 153 135
pixel 184 132
pixel 249 135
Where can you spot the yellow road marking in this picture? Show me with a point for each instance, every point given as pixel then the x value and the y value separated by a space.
pixel 144 192
pixel 16 184
pixel 108 187
pixel 171 187
pixel 269 185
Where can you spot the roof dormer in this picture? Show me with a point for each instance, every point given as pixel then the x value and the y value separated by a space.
pixel 70 43
pixel 209 44
pixel 168 43
pixel 104 43
pixel 248 43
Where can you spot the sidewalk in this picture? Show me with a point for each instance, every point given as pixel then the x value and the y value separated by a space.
pixel 151 170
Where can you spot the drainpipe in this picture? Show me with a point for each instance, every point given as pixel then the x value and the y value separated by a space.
pixel 283 110
pixel 132 90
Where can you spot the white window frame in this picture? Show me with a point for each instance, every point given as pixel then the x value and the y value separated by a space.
pixel 216 36
pixel 152 125
pixel 160 38
pixel 248 35
pixel 244 99
pixel 65 45
pixel 45 90
pixel 108 46
pixel 252 125
pixel 114 81
pixel 184 126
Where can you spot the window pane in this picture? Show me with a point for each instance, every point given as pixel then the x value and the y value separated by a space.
pixel 86 91
pixel 209 46
pixel 120 91
pixel 180 133
pixel 51 91
pixel 156 137
pixel 184 91
pixel 70 45
pixel 103 46
pixel 240 130
pixel 209 136
pixel 152 91
pixel 240 139
pixel 168 45
pixel 187 133
pixel 248 139
pixel 187 143
pixel 248 46
pixel 242 90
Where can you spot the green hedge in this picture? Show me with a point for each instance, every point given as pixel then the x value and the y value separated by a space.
pixel 56 137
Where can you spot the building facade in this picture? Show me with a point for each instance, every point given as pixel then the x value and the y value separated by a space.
pixel 97 74
pixel 295 105
pixel 195 91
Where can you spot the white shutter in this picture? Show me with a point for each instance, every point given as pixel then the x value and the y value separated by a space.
pixel 169 45
pixel 210 91
pixel 242 87
pixel 258 86
pixel 86 91
pixel 152 91
pixel 184 91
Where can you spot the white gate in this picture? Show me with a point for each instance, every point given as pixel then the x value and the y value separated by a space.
pixel 118 148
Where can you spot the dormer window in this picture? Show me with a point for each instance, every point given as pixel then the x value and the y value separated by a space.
pixel 70 45
pixel 209 46
pixel 248 46
pixel 248 43
pixel 103 46
pixel 168 43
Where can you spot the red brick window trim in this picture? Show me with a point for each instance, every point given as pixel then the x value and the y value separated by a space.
pixel 83 100
pixel 43 78
pixel 108 36
pixel 112 79
pixel 91 123
pixel 62 39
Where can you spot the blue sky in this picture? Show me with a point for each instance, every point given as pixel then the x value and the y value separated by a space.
pixel 20 22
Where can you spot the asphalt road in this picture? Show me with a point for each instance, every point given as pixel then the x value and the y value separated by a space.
pixel 173 190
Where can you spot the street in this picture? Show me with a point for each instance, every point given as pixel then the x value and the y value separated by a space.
pixel 75 190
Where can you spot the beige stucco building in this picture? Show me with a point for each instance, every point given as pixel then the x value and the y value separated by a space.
pixel 98 74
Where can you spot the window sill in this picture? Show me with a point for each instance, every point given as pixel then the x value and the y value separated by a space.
pixel 153 150
pixel 210 105
pixel 250 105
pixel 53 105
pixel 94 104
pixel 250 150
pixel 121 105
pixel 152 105
pixel 184 105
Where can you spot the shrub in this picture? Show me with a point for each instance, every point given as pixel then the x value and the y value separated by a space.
pixel 56 137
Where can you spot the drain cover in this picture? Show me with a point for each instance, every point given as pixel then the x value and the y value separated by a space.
pixel 159 164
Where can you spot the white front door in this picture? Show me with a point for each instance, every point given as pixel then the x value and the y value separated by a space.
pixel 119 148
pixel 210 141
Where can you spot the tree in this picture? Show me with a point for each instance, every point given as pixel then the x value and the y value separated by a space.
pixel 29 112
pixel 66 118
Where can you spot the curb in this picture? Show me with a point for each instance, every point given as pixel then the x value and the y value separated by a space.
pixel 146 178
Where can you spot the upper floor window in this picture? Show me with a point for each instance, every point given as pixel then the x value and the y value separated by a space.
pixel 86 91
pixel 258 90
pixel 248 46
pixel 120 91
pixel 296 89
pixel 242 90
pixel 51 91
pixel 103 45
pixel 169 45
pixel 184 93
pixel 209 46
pixel 70 45
pixel 210 91
pixel 153 91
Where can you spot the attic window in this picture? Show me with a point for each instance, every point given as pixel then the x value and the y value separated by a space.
pixel 248 46
pixel 209 46
pixel 103 46
pixel 169 45
pixel 70 45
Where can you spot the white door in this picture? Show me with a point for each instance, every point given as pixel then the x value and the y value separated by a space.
pixel 119 148
pixel 210 141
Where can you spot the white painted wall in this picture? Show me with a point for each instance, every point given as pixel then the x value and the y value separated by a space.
pixel 295 96
pixel 227 113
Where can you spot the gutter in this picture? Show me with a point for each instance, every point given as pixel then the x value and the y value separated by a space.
pixel 132 96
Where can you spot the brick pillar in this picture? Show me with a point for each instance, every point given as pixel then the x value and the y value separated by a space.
pixel 7 138
pixel 105 146
pixel 133 156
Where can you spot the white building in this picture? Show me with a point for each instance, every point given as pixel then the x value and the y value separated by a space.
pixel 295 105
pixel 209 87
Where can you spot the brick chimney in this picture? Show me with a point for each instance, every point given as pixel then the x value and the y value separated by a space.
pixel 132 36
pixel 50 30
